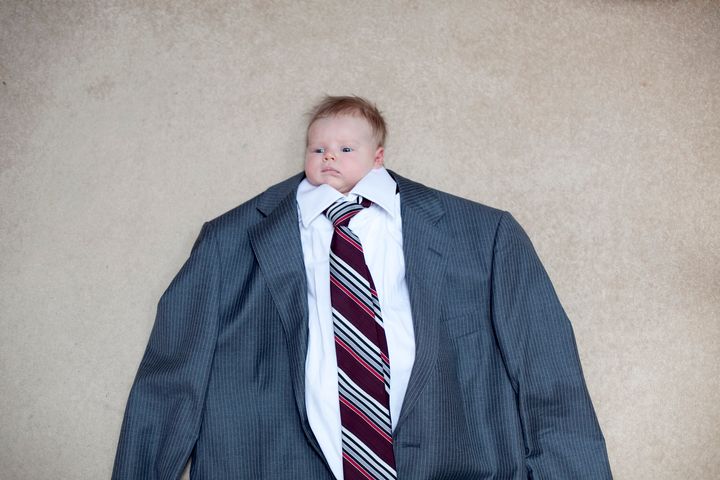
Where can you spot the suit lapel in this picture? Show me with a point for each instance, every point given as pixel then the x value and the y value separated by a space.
pixel 278 249
pixel 424 246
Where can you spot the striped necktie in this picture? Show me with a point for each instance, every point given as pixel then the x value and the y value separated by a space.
pixel 362 353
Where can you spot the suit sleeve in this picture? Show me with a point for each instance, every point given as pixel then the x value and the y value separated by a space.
pixel 163 414
pixel 562 436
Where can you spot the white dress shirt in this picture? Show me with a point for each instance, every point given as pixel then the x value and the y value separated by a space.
pixel 379 228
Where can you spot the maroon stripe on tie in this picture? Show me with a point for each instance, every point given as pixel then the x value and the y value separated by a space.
pixel 358 467
pixel 364 376
pixel 349 255
pixel 360 361
pixel 349 240
pixel 371 437
pixel 365 419
pixel 359 303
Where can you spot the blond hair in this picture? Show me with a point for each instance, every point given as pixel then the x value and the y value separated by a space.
pixel 331 106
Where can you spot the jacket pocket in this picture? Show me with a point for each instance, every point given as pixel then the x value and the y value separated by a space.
pixel 463 325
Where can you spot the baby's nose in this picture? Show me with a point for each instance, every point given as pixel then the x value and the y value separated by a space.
pixel 329 155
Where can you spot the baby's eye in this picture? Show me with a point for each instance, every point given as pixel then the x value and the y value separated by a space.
pixel 347 149
pixel 319 150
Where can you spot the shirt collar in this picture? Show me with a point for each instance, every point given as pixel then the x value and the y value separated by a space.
pixel 377 186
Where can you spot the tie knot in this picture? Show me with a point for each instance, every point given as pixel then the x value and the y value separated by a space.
pixel 341 211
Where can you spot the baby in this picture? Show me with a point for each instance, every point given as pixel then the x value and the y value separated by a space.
pixel 351 323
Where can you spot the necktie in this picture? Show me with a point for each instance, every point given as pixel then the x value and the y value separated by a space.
pixel 362 353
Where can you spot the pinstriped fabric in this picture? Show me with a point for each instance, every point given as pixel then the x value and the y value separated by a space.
pixel 362 353
pixel 498 392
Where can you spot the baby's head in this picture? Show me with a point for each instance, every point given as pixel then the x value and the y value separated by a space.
pixel 345 140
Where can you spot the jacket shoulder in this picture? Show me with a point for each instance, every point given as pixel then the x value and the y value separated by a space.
pixel 478 219
pixel 464 205
pixel 256 208
pixel 453 205
pixel 462 218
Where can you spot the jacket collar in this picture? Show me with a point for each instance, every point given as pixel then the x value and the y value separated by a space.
pixel 414 196
pixel 377 186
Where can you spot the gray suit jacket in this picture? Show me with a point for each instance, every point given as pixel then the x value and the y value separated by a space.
pixel 496 390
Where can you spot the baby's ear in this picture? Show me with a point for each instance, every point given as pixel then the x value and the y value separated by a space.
pixel 379 157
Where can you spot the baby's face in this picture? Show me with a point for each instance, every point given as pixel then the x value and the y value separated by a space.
pixel 341 150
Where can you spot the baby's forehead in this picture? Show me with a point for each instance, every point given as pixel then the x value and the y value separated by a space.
pixel 349 124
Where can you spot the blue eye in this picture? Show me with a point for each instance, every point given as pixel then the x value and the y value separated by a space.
pixel 319 150
pixel 347 149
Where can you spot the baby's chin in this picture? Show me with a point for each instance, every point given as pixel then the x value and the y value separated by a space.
pixel 329 178
pixel 333 182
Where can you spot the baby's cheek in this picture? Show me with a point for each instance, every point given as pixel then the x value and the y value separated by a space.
pixel 311 177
